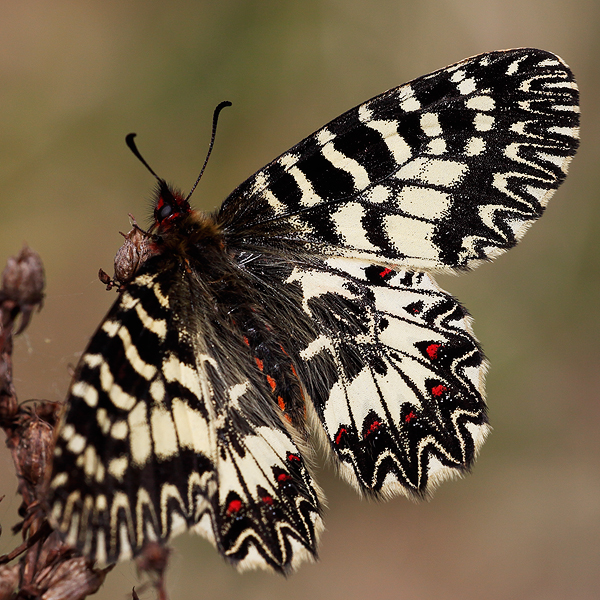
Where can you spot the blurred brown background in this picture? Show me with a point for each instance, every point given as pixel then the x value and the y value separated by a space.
pixel 76 76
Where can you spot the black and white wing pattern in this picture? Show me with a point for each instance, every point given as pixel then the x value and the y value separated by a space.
pixel 167 429
pixel 438 174
pixel 403 406
pixel 305 309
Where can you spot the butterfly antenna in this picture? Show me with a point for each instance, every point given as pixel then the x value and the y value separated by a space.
pixel 218 110
pixel 129 141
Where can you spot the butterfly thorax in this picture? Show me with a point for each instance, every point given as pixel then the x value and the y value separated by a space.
pixel 195 236
pixel 179 230
pixel 189 247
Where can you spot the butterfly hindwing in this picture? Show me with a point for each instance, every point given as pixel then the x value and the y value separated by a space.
pixel 157 437
pixel 267 515
pixel 394 373
pixel 437 174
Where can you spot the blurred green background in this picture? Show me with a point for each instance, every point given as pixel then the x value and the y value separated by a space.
pixel 76 76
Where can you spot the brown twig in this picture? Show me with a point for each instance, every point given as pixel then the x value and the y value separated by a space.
pixel 153 561
pixel 47 568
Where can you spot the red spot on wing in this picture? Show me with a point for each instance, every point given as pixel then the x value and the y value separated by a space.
pixel 268 500
pixel 385 272
pixel 234 506
pixel 283 477
pixel 438 390
pixel 293 457
pixel 341 432
pixel 410 416
pixel 373 427
pixel 414 308
pixel 432 350
pixel 281 403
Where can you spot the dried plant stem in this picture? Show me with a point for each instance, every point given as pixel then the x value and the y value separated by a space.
pixel 47 568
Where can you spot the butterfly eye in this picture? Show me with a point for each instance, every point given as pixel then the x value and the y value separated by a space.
pixel 170 205
pixel 163 212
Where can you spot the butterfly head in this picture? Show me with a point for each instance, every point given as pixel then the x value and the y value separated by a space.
pixel 170 206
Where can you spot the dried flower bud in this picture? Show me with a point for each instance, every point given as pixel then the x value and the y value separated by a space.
pixel 23 278
pixel 132 254
pixel 34 450
pixel 135 251
pixel 72 579
pixel 23 283
pixel 154 557
pixel 9 580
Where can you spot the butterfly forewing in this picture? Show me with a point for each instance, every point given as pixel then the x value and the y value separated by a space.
pixel 436 174
pixel 159 436
pixel 304 309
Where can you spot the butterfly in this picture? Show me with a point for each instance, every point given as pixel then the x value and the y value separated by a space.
pixel 304 311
